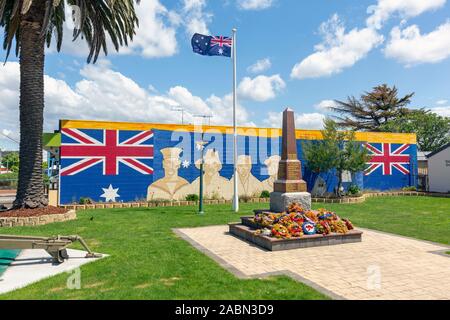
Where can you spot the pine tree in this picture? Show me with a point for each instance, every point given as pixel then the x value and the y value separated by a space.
pixel 372 109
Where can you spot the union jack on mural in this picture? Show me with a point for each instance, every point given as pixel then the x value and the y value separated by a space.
pixel 386 158
pixel 108 148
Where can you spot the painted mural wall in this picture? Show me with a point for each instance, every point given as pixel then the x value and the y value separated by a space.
pixel 109 161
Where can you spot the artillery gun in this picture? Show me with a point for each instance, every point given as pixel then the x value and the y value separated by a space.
pixel 55 246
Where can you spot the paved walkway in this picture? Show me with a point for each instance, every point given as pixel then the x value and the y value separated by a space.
pixel 382 266
pixel 35 265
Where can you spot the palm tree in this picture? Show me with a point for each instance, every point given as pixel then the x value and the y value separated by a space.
pixel 31 24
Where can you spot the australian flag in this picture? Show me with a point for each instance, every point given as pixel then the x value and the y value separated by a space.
pixel 212 46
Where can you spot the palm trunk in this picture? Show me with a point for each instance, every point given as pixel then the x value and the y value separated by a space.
pixel 30 189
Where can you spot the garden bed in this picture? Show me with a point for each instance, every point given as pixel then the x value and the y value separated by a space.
pixel 49 210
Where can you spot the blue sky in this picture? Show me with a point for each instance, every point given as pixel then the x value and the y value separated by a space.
pixel 340 48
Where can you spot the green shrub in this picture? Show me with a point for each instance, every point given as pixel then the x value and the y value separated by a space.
pixel 86 200
pixel 214 196
pixel 8 180
pixel 353 190
pixel 411 188
pixel 244 198
pixel 192 197
pixel 265 194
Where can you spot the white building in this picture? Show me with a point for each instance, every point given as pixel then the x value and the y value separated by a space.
pixel 439 170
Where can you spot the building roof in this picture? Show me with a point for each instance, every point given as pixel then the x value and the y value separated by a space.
pixel 445 146
pixel 422 155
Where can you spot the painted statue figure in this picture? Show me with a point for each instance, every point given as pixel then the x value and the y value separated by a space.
pixel 272 168
pixel 214 185
pixel 171 186
pixel 248 185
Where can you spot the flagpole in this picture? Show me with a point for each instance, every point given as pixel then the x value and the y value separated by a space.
pixel 235 181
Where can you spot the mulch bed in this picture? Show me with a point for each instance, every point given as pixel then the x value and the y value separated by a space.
pixel 49 210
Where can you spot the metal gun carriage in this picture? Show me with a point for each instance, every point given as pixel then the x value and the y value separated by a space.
pixel 55 246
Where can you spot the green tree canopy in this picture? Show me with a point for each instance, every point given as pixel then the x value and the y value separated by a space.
pixel 372 109
pixel 432 130
pixel 11 161
pixel 338 150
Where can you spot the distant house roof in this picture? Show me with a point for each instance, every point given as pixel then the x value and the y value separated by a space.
pixel 422 155
pixel 445 146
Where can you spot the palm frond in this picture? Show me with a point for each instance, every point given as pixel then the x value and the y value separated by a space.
pixel 99 22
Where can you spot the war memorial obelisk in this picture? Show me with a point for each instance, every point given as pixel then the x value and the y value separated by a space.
pixel 289 186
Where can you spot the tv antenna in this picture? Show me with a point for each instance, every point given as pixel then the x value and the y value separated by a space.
pixel 204 116
pixel 179 109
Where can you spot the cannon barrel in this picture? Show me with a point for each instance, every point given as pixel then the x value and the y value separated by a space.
pixel 56 246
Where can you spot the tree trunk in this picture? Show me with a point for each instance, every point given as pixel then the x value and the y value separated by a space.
pixel 30 189
pixel 339 185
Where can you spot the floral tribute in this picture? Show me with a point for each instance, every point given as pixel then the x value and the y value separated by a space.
pixel 297 222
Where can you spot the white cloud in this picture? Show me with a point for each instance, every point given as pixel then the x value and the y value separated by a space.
pixel 155 37
pixel 105 94
pixel 441 102
pixel 302 120
pixel 442 111
pixel 325 105
pixel 255 4
pixel 261 88
pixel 384 9
pixel 6 132
pixel 309 121
pixel 411 47
pixel 339 50
pixel 260 66
pixel 222 107
pixel 195 19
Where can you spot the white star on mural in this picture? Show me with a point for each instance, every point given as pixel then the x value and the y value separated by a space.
pixel 220 51
pixel 110 194
pixel 186 164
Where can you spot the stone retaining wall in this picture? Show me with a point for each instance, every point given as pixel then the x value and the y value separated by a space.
pixel 37 221
pixel 251 200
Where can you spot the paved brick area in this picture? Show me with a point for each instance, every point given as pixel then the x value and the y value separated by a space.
pixel 382 266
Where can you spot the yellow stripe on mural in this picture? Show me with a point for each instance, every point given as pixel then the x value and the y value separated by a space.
pixel 374 137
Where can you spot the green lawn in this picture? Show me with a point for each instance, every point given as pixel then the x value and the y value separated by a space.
pixel 418 217
pixel 148 261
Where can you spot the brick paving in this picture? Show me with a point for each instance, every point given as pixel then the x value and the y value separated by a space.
pixel 382 266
